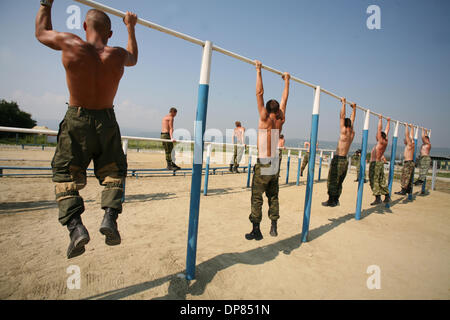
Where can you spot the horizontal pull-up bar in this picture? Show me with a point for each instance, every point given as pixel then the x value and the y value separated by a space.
pixel 183 36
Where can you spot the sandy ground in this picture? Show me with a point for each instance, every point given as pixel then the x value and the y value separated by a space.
pixel 409 242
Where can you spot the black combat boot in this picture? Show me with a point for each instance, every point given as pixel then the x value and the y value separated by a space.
pixel 387 198
pixel 175 167
pixel 402 192
pixel 331 202
pixel 231 168
pixel 79 237
pixel 170 166
pixel 109 227
pixel 255 234
pixel 236 169
pixel 273 229
pixel 377 201
pixel 418 182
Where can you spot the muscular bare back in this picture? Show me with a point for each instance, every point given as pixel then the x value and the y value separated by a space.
pixel 267 127
pixel 345 141
pixel 239 134
pixel 92 75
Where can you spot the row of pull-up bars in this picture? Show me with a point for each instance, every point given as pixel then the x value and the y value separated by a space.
pixel 200 125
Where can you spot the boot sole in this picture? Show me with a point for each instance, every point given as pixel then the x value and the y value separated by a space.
pixel 111 238
pixel 252 238
pixel 78 248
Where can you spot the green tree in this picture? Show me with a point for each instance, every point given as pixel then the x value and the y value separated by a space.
pixel 12 116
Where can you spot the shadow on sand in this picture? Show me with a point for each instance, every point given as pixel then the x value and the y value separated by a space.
pixel 179 287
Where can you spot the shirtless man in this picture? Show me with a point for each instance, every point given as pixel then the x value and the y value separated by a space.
pixel 408 163
pixel 339 164
pixel 376 170
pixel 265 175
pixel 238 138
pixel 89 130
pixel 167 133
pixel 424 160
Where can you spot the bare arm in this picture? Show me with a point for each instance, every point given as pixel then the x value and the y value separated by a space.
pixel 286 77
pixel 388 126
pixel 407 135
pixel 260 91
pixel 46 35
pixel 171 127
pixel 424 133
pixel 380 128
pixel 132 49
pixel 412 132
pixel 353 116
pixel 343 112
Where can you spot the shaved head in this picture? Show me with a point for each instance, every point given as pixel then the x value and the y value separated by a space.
pixel 99 22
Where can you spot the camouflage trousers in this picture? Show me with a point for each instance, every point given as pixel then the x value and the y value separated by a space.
pixel 237 155
pixel 336 176
pixel 168 147
pixel 423 164
pixel 264 183
pixel 358 168
pixel 305 161
pixel 86 135
pixel 407 172
pixel 377 178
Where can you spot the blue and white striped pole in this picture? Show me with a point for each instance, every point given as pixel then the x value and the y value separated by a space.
pixel 298 166
pixel 362 166
pixel 199 130
pixel 410 195
pixel 249 167
pixel 208 157
pixel 392 164
pixel 287 166
pixel 320 165
pixel 311 166
pixel 125 151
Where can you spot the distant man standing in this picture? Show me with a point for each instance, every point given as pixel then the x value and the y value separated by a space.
pixel 339 164
pixel 238 138
pixel 408 163
pixel 424 160
pixel 265 178
pixel 305 157
pixel 281 147
pixel 167 133
pixel 357 161
pixel 89 130
pixel 376 169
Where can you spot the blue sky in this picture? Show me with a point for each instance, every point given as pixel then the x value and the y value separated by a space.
pixel 402 70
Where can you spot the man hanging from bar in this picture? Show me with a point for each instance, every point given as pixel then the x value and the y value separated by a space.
pixel 376 170
pixel 238 138
pixel 89 130
pixel 265 176
pixel 339 164
pixel 424 161
pixel 167 133
pixel 408 162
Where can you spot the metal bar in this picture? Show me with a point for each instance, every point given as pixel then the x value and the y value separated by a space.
pixel 183 36
pixel 311 166
pixel 249 167
pixel 287 166
pixel 392 164
pixel 208 157
pixel 298 167
pixel 199 131
pixel 433 176
pixel 362 166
